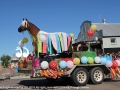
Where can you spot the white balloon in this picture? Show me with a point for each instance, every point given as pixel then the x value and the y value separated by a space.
pixel 20 43
pixel 43 38
pixel 118 61
pixel 97 59
pixel 44 65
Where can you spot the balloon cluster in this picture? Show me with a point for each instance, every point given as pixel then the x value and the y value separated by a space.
pixel 62 64
pixel 100 60
pixel 90 32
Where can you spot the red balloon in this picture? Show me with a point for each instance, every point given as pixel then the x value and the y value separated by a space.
pixel 53 64
pixel 90 32
pixel 114 65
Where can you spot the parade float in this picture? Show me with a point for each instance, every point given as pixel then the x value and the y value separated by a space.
pixel 53 56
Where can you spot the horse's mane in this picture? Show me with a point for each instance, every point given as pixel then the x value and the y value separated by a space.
pixel 34 25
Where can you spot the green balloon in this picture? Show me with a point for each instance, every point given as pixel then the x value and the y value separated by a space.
pixel 90 60
pixel 72 35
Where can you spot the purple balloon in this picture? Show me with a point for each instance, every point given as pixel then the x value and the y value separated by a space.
pixel 70 64
pixel 109 64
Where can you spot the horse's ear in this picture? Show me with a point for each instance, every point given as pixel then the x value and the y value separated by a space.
pixel 23 19
pixel 26 19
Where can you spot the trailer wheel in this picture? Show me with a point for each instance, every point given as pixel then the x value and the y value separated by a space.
pixel 96 75
pixel 80 76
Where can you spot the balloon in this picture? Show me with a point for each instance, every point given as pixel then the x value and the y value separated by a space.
pixel 43 38
pixel 93 27
pixel 37 62
pixel 84 59
pixel 103 60
pixel 118 61
pixel 70 64
pixel 20 43
pixel 90 32
pixel 114 65
pixel 44 65
pixel 53 64
pixel 72 35
pixel 62 64
pixel 109 63
pixel 24 40
pixel 76 61
pixel 97 59
pixel 90 60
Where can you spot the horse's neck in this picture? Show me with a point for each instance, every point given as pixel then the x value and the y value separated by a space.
pixel 34 30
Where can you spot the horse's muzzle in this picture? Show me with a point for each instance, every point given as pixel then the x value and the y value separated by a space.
pixel 19 30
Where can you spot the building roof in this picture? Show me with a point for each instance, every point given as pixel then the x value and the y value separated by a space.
pixel 109 29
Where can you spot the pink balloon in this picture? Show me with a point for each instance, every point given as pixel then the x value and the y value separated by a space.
pixel 109 64
pixel 37 62
pixel 70 64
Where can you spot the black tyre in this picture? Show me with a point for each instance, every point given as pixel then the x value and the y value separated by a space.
pixel 80 76
pixel 96 75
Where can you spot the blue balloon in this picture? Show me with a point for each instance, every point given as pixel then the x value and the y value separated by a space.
pixel 62 64
pixel 109 58
pixel 84 59
pixel 103 60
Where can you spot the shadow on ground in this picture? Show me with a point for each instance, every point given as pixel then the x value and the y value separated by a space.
pixel 45 82
pixel 58 82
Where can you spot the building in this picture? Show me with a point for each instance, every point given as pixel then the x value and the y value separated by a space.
pixel 106 38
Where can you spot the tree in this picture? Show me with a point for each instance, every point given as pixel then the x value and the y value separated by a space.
pixel 5 59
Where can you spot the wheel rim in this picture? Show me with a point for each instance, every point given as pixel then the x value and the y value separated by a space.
pixel 98 75
pixel 81 76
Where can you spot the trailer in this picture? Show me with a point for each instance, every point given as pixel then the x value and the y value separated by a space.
pixel 80 74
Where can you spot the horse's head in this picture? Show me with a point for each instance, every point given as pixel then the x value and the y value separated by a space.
pixel 24 26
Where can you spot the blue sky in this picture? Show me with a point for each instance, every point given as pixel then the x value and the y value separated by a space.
pixel 51 16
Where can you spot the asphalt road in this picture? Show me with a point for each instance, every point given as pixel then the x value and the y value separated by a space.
pixel 40 83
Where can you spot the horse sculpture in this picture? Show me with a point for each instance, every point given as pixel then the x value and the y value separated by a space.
pixel 60 41
pixel 32 30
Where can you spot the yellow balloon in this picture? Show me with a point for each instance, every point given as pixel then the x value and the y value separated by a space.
pixel 76 61
pixel 24 40
pixel 93 27
pixel 72 35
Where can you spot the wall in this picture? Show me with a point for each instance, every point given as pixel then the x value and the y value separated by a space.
pixel 107 42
